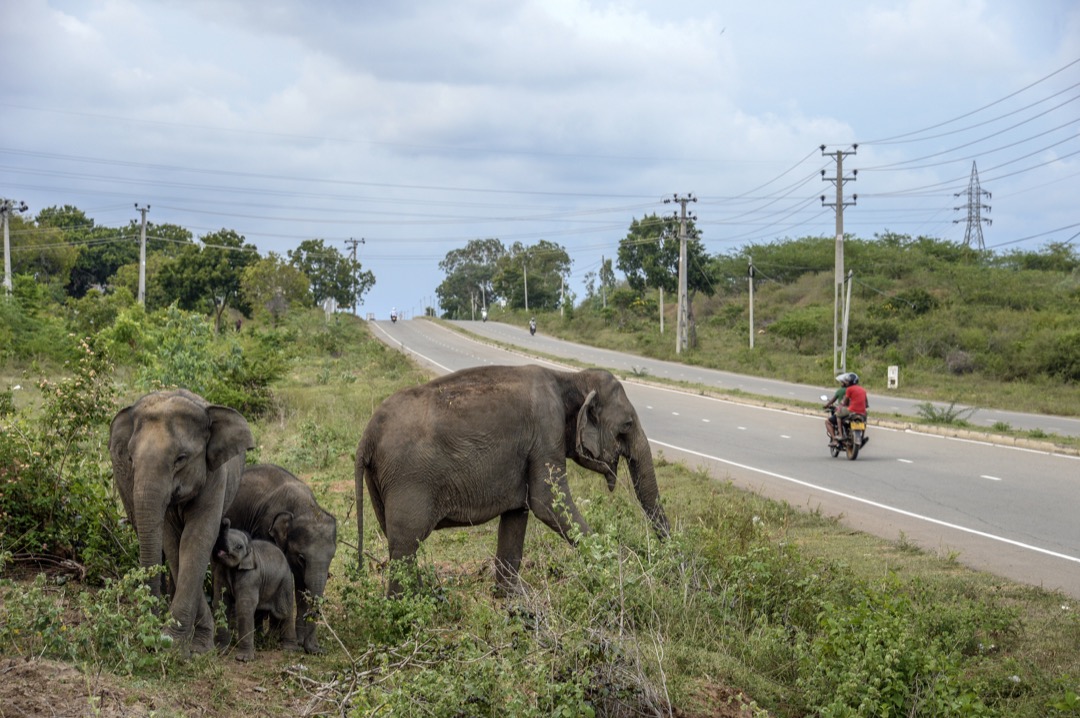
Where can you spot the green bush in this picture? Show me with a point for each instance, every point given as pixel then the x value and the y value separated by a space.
pixel 121 627
pixel 55 477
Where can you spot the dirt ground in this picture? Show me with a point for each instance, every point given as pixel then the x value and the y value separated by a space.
pixel 43 688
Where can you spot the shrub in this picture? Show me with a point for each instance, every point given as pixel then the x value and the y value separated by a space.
pixel 55 481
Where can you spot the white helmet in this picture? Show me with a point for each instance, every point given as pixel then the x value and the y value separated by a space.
pixel 848 378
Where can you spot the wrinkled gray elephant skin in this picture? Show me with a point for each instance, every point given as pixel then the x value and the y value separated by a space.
pixel 251 576
pixel 492 442
pixel 274 505
pixel 177 461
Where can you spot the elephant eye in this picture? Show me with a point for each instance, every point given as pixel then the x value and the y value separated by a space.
pixel 180 460
pixel 627 426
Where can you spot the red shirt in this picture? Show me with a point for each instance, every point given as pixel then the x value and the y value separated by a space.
pixel 855 396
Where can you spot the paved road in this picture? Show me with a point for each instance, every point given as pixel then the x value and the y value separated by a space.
pixel 881 403
pixel 1002 509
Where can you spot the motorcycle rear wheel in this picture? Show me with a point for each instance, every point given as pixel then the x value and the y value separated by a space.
pixel 853 445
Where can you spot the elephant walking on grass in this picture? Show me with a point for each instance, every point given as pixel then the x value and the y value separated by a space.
pixel 274 505
pixel 491 442
pixel 177 461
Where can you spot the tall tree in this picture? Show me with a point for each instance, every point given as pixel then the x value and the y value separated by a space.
pixel 649 256
pixel 272 285
pixel 543 267
pixel 469 277
pixel 332 275
pixel 206 277
pixel 40 252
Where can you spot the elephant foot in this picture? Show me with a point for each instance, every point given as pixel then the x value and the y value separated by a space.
pixel 291 646
pixel 245 656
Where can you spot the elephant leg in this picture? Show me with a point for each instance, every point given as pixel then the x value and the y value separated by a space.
pixel 512 525
pixel 246 604
pixel 564 518
pixel 170 547
pixel 406 527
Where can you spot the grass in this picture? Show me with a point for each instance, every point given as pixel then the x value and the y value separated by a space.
pixel 752 608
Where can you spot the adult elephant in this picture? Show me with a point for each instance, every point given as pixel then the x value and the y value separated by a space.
pixel 274 505
pixel 493 441
pixel 177 461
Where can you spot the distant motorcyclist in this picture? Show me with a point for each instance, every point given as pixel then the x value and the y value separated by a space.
pixel 852 400
pixel 483 314
pixel 393 314
pixel 532 326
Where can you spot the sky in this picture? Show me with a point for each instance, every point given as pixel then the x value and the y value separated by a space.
pixel 417 126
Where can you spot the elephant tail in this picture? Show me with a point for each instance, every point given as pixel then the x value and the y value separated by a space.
pixel 363 455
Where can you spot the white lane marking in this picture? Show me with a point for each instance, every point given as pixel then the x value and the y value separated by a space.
pixel 992 478
pixel 784 436
pixel 742 428
pixel 905 461
pixel 674 413
pixel 707 421
pixel 875 504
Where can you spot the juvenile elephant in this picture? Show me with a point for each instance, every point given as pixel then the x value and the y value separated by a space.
pixel 177 461
pixel 274 505
pixel 253 575
pixel 488 442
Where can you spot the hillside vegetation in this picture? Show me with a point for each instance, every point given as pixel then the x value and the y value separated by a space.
pixel 752 608
pixel 972 327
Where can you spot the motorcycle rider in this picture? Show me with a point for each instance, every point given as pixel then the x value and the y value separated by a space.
pixel 483 314
pixel 532 326
pixel 852 399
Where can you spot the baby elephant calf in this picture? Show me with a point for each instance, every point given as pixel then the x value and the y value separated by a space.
pixel 253 576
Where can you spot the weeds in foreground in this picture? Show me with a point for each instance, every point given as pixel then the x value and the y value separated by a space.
pixel 121 627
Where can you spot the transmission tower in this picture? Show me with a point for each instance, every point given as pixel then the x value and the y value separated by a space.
pixel 975 208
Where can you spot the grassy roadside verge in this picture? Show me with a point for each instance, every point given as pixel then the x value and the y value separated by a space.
pixel 754 607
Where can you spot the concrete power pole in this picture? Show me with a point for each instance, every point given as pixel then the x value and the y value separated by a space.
pixel 975 208
pixel 7 206
pixel 683 324
pixel 142 254
pixel 353 243
pixel 839 204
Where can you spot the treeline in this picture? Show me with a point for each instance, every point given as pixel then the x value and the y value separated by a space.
pixel 61 258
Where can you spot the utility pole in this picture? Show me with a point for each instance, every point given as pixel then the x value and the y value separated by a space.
pixel 525 276
pixel 682 326
pixel 750 276
pixel 353 243
pixel 7 206
pixel 975 208
pixel 839 205
pixel 142 253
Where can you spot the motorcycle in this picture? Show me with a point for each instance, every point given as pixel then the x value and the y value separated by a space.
pixel 393 317
pixel 850 433
pixel 483 314
pixel 532 327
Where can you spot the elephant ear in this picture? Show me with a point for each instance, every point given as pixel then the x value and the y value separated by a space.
pixel 229 435
pixel 587 443
pixel 123 425
pixel 247 563
pixel 279 530
pixel 588 433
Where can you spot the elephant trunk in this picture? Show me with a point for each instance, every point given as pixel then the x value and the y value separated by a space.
pixel 315 583
pixel 149 522
pixel 643 476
